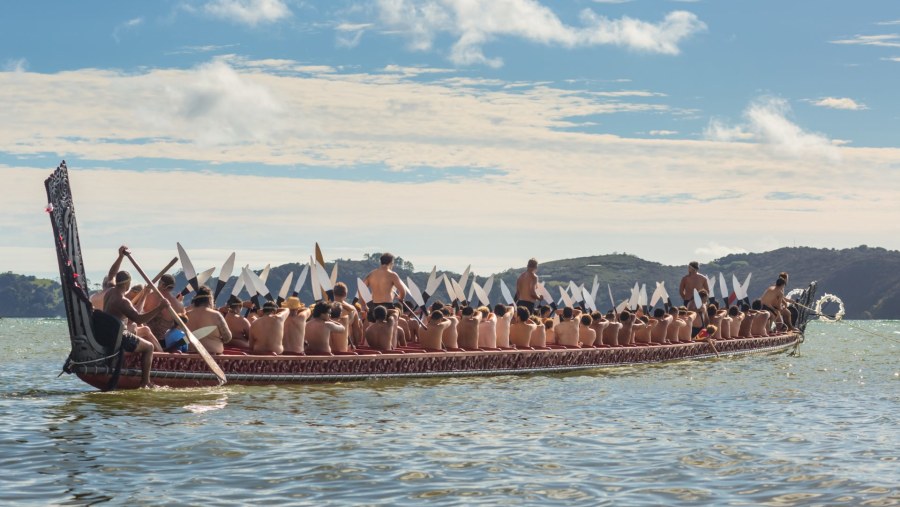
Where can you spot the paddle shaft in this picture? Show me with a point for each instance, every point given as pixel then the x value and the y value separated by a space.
pixel 193 339
pixel 165 269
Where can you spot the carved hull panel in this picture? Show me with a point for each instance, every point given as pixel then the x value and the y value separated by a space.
pixel 188 370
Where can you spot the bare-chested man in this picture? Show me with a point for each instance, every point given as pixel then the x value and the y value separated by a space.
pixel 382 334
pixel 686 333
pixel 521 328
pixel 598 324
pixel 610 335
pixel 744 331
pixel 467 329
pixel 431 338
pixel 116 304
pixel 660 328
pixel 567 329
pixel 382 282
pixel 294 341
pixel 642 328
pixel 586 334
pixel 202 314
pixel 737 318
pixel 761 319
pixel 237 324
pixel 550 333
pixel 161 324
pixel 353 317
pixel 450 333
pixel 504 316
pixel 319 329
pixel 539 334
pixel 487 329
pixel 626 332
pixel 675 325
pixel 774 301
pixel 693 280
pixel 526 287
pixel 267 332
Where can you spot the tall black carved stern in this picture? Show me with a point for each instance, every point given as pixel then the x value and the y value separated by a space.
pixel 87 347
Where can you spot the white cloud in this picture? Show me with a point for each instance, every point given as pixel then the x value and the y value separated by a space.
pixel 313 133
pixel 839 103
pixel 15 65
pixel 894 22
pixel 713 250
pixel 886 40
pixel 892 59
pixel 768 124
pixel 131 23
pixel 476 24
pixel 611 1
pixel 248 12
pixel 663 132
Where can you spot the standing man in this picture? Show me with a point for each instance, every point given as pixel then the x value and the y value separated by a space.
pixel 693 280
pixel 116 304
pixel 526 286
pixel 382 282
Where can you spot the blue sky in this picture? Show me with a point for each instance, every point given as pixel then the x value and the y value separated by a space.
pixel 451 131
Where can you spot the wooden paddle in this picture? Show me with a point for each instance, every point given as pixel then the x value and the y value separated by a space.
pixel 191 338
pixel 165 269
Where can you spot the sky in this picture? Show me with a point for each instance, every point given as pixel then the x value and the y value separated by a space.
pixel 449 132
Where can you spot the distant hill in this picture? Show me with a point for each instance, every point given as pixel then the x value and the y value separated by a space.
pixel 866 279
pixel 27 296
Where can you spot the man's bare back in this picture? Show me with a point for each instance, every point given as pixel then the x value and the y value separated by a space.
pixel 267 332
pixel 295 331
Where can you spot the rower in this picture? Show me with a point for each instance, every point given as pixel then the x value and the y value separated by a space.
pixel 237 324
pixel 693 280
pixel 267 331
pixel 319 329
pixel 116 304
pixel 467 329
pixel 295 326
pixel 526 286
pixel 202 314
pixel 382 334
pixel 382 282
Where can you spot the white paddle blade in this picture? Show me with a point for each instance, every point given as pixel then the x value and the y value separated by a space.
pixel 238 285
pixel 480 292
pixel 737 287
pixel 588 300
pixel 635 296
pixel 286 286
pixel 611 299
pixel 723 287
pixel 186 266
pixel 434 281
pixel 471 290
pixel 414 292
pixel 204 276
pixel 464 279
pixel 504 290
pixel 664 292
pixel 746 285
pixel 566 299
pixel 712 285
pixel 657 295
pixel 334 273
pixel 460 293
pixel 451 294
pixel 698 302
pixel 595 288
pixel 314 280
pixel 323 278
pixel 488 285
pixel 574 291
pixel 301 279
pixel 265 273
pixel 364 293
pixel 544 293
pixel 622 306
pixel 642 299
pixel 204 331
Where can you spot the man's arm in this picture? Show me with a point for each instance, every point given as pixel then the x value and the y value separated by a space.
pixel 224 331
pixel 401 292
pixel 111 276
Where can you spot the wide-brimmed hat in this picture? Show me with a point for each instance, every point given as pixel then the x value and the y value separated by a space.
pixel 292 303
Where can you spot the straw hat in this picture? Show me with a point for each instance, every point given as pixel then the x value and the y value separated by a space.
pixel 292 303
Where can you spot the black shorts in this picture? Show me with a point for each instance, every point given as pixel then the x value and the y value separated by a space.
pixel 695 331
pixel 387 306
pixel 130 341
pixel 769 308
pixel 526 304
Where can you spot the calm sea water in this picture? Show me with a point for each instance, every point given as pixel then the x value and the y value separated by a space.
pixel 819 428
